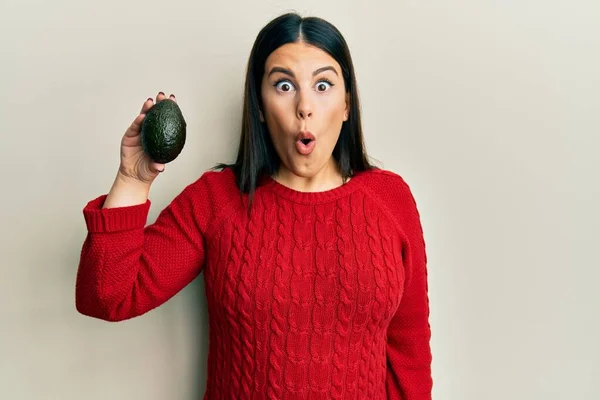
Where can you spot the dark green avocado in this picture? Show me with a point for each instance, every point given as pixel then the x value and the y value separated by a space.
pixel 163 131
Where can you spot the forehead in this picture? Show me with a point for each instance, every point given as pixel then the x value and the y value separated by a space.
pixel 300 56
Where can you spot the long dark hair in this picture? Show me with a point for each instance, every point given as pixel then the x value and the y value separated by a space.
pixel 256 155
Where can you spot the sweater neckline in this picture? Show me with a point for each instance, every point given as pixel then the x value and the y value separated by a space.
pixel 314 197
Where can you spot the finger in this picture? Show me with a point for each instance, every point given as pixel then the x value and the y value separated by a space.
pixel 160 96
pixel 172 97
pixel 157 167
pixel 147 105
pixel 134 128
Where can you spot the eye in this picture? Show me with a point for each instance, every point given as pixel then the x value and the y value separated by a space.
pixel 284 86
pixel 323 85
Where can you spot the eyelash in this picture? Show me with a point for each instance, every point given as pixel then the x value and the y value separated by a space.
pixel 320 80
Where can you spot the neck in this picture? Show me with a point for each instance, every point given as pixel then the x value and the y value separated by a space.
pixel 329 177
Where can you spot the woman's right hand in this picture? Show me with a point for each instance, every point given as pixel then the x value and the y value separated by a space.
pixel 136 166
pixel 137 171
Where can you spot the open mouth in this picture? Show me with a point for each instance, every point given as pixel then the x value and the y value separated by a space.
pixel 305 142
pixel 305 146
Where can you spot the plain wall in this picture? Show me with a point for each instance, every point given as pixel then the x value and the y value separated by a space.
pixel 489 109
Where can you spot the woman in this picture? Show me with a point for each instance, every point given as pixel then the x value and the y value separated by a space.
pixel 314 260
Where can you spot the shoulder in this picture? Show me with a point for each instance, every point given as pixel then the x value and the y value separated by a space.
pixel 393 195
pixel 220 184
pixel 213 194
pixel 217 178
pixel 387 186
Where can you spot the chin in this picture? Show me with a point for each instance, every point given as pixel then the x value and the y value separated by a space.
pixel 304 169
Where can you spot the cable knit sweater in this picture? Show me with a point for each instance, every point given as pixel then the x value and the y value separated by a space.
pixel 313 295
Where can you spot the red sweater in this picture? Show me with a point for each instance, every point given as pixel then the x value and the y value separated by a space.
pixel 318 295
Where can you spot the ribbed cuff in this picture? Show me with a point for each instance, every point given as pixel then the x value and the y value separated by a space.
pixel 100 219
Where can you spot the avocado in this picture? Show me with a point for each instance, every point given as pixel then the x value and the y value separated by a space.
pixel 163 131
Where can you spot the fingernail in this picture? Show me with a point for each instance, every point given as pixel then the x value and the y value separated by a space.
pixel 150 99
pixel 161 93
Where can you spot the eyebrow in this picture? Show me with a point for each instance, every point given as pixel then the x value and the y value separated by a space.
pixel 290 73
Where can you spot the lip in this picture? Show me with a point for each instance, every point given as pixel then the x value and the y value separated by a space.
pixel 305 135
pixel 305 149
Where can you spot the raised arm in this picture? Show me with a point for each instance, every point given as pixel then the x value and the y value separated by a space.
pixel 126 268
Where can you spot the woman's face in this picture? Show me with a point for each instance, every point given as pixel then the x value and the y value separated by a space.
pixel 304 106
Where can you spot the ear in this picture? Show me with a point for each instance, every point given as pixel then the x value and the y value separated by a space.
pixel 347 110
pixel 260 114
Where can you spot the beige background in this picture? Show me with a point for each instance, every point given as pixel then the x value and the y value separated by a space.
pixel 489 109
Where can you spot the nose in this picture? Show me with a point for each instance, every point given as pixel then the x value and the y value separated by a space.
pixel 304 107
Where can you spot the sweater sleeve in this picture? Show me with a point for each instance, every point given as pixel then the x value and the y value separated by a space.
pixel 126 268
pixel 408 336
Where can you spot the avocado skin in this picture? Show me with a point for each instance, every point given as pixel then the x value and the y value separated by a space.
pixel 163 131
